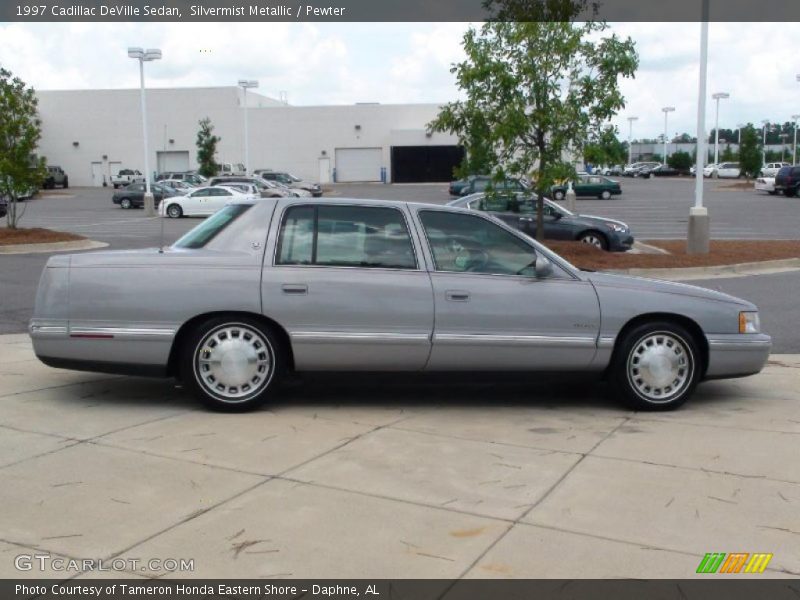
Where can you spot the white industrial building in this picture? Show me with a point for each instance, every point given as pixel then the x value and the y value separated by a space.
pixel 91 134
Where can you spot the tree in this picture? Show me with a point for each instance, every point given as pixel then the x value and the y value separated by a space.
pixel 750 152
pixel 478 154
pixel 682 161
pixel 606 149
pixel 544 86
pixel 20 130
pixel 207 149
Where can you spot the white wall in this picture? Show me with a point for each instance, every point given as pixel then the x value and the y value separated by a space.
pixel 108 123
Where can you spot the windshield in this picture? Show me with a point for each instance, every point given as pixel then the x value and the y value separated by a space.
pixel 208 229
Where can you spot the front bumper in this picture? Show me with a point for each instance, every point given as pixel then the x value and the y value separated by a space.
pixel 621 242
pixel 737 355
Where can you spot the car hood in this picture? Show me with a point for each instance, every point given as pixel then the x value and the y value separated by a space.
pixel 666 287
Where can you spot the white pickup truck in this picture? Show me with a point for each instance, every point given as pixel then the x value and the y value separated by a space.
pixel 771 169
pixel 126 176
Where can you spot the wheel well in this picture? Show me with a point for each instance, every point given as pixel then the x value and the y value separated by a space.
pixel 188 326
pixel 691 326
pixel 594 231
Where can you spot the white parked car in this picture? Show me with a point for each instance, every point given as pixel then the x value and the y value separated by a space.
pixel 201 202
pixel 771 169
pixel 709 169
pixel 766 184
pixel 728 170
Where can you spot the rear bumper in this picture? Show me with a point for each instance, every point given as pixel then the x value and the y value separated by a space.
pixel 737 355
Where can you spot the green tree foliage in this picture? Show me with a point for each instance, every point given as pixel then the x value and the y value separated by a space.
pixel 207 148
pixel 20 130
pixel 680 160
pixel 543 85
pixel 750 152
pixel 606 149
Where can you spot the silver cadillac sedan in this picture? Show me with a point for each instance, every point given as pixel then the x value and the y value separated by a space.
pixel 268 286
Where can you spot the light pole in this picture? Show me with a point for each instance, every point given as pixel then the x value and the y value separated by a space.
pixel 145 56
pixel 697 241
pixel 718 96
pixel 630 138
pixel 246 84
pixel 666 110
pixel 794 146
pixel 764 143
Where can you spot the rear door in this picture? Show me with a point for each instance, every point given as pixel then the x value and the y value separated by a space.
pixel 346 282
pixel 492 312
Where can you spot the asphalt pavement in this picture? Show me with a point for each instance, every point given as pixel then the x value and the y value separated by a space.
pixel 655 209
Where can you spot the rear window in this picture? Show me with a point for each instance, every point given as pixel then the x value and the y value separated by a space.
pixel 212 226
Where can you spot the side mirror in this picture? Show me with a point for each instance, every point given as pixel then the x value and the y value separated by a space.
pixel 544 268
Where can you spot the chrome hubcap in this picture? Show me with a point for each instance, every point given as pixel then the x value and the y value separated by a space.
pixel 234 362
pixel 174 211
pixel 660 367
pixel 592 240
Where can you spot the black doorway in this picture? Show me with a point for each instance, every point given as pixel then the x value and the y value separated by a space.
pixel 420 164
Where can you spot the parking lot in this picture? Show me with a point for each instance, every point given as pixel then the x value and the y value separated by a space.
pixel 447 476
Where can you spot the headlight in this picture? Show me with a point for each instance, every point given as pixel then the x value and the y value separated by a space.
pixel 616 227
pixel 749 322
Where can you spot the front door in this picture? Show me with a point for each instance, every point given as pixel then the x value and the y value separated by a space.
pixel 97 174
pixel 347 285
pixel 325 170
pixel 492 311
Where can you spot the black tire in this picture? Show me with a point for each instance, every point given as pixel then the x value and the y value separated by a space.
pixel 66 183
pixel 254 339
pixel 594 238
pixel 558 195
pixel 790 193
pixel 630 383
pixel 174 211
pixel 125 203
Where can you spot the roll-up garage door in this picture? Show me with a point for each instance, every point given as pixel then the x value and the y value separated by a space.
pixel 358 164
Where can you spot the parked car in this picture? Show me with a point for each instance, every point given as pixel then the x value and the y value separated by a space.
pixel 520 211
pixel 589 185
pixel 264 188
pixel 788 181
pixel 633 169
pixel 179 185
pixel 187 176
pixel 766 184
pixel 290 181
pixel 611 171
pixel 232 169
pixel 125 177
pixel 662 171
pixel 481 183
pixel 728 170
pixel 132 196
pixel 258 290
pixel 455 187
pixel 201 202
pixel 55 176
pixel 771 169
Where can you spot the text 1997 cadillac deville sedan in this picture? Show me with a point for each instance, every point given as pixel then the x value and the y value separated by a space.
pixel 267 286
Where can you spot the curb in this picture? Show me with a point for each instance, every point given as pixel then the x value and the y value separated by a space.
pixel 52 247
pixel 717 271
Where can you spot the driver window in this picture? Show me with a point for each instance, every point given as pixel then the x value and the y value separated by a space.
pixel 467 243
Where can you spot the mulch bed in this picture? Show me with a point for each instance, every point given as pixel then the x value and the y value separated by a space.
pixel 722 252
pixel 35 236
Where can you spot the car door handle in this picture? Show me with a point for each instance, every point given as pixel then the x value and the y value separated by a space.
pixel 295 289
pixel 457 296
pixel 526 219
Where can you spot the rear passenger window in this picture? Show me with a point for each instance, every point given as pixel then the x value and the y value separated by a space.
pixel 345 236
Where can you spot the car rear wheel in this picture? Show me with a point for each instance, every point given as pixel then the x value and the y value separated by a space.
pixel 66 182
pixel 174 211
pixel 558 195
pixel 231 363
pixel 594 238
pixel 790 193
pixel 655 367
pixel 125 203
pixel 605 195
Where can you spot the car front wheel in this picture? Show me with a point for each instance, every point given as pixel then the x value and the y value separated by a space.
pixel 594 238
pixel 174 211
pixel 605 195
pixel 231 363
pixel 558 195
pixel 655 367
pixel 125 203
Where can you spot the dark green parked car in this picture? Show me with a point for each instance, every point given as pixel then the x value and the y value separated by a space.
pixel 595 186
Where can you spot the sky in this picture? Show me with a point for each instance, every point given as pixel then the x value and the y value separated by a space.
pixel 343 63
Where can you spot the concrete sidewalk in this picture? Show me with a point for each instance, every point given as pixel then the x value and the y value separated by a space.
pixel 413 480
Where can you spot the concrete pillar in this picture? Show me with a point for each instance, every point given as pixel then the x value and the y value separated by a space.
pixel 149 205
pixel 699 229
